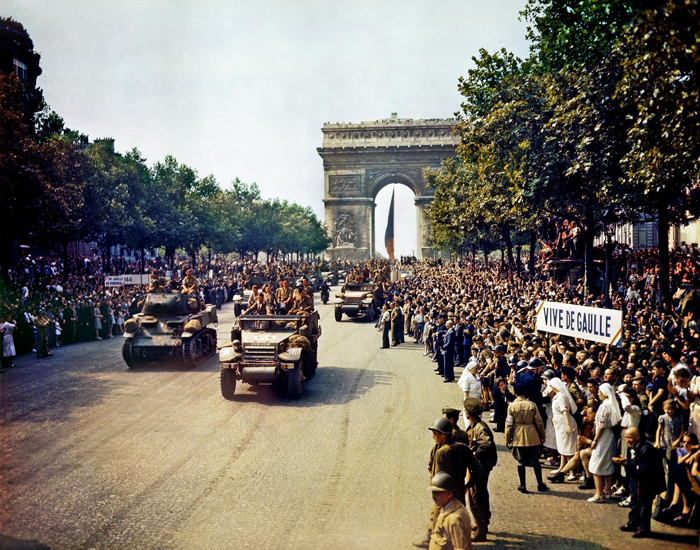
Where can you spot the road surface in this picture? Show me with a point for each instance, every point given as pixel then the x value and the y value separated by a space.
pixel 94 455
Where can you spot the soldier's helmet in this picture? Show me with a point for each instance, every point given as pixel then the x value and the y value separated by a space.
pixel 442 425
pixel 512 360
pixel 549 374
pixel 522 364
pixel 442 481
pixel 536 362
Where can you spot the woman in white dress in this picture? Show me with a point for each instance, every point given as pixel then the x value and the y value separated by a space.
pixel 7 327
pixel 565 429
pixel 470 383
pixel 603 445
pixel 694 400
pixel 550 436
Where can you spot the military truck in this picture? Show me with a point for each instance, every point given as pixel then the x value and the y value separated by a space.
pixel 356 300
pixel 170 325
pixel 281 349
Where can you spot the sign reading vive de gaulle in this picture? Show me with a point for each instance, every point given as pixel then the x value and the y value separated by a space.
pixel 589 323
pixel 121 280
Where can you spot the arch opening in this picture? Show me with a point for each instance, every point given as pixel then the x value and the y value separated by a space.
pixel 405 220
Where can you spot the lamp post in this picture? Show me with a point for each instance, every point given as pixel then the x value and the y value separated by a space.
pixel 609 220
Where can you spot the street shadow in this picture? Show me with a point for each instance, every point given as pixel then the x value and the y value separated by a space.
pixel 12 543
pixel 175 365
pixel 512 541
pixel 58 401
pixel 330 386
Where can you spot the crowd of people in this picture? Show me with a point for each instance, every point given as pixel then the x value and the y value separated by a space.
pixel 48 303
pixel 620 421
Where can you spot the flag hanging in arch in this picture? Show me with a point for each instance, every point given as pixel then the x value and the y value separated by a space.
pixel 389 234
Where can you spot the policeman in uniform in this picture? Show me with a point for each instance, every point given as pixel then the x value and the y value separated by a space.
pixel 440 332
pixel 448 353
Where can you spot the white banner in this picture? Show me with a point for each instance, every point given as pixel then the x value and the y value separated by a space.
pixel 133 279
pixel 590 323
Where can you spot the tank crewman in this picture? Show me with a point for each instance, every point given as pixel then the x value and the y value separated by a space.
pixel 259 307
pixel 458 435
pixel 284 295
pixel 190 284
pixel 452 527
pixel 481 442
pixel 158 284
pixel 301 303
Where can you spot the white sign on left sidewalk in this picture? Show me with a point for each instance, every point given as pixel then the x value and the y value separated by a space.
pixel 133 279
pixel 590 323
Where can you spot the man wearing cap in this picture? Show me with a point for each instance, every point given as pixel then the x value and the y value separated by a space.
pixel 452 527
pixel 453 458
pixel 301 303
pixel 396 323
pixel 440 331
pixel 525 433
pixel 458 435
pixel 482 444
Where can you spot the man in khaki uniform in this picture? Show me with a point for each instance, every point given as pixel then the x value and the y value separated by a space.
pixel 452 527
pixel 301 303
pixel 189 283
pixel 284 296
pixel 525 433
pixel 458 435
pixel 484 448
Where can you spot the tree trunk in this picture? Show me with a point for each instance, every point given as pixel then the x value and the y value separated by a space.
pixel 588 236
pixel 664 267
pixel 533 245
pixel 486 253
pixel 509 245
pixel 108 254
pixel 143 260
pixel 64 258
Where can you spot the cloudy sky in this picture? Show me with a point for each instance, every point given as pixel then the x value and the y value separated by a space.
pixel 241 88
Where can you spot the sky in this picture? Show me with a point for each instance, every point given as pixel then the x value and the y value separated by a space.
pixel 241 88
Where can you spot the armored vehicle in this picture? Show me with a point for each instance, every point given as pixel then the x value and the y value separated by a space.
pixel 279 349
pixel 357 300
pixel 170 325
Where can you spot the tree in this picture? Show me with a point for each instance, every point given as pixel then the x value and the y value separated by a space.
pixel 660 60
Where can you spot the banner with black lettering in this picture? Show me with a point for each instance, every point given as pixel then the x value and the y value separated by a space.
pixel 590 323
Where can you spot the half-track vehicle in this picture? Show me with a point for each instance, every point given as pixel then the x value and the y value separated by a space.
pixel 170 325
pixel 280 349
pixel 356 300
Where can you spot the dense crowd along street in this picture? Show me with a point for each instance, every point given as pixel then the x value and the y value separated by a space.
pixel 460 320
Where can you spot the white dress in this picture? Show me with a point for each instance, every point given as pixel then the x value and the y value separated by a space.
pixel 694 424
pixel 550 435
pixel 566 444
pixel 601 457
pixel 8 342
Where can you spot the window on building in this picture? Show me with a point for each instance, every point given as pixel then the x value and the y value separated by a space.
pixel 20 69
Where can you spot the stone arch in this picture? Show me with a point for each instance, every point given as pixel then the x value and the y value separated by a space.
pixel 361 159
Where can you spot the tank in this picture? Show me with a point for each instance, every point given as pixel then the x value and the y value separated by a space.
pixel 170 326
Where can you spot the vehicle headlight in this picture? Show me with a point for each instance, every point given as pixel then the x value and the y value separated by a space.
pixel 226 354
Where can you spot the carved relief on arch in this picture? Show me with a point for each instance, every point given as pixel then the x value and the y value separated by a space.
pixel 344 230
pixel 344 184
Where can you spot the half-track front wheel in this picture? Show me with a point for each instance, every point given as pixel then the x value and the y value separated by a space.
pixel 227 378
pixel 295 381
pixel 338 314
pixel 370 314
pixel 128 353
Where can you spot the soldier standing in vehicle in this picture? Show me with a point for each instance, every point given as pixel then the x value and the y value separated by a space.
pixel 301 303
pixel 284 295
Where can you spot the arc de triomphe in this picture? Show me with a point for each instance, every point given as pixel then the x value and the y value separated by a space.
pixel 359 159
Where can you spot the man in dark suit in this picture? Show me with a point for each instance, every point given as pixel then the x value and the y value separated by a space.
pixel 448 352
pixel 645 470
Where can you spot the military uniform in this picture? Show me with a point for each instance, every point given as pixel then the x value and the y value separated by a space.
pixel 157 286
pixel 284 297
pixel 302 304
pixel 396 325
pixel 482 444
pixel 452 528
pixel 41 322
pixel 190 285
